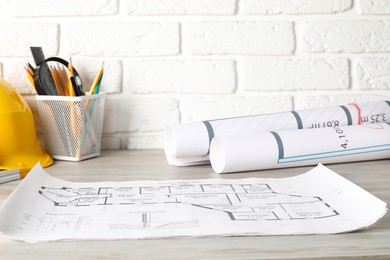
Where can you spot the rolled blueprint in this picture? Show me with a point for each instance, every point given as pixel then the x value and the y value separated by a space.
pixel 189 143
pixel 289 148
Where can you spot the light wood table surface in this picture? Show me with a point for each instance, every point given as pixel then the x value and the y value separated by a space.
pixel 372 243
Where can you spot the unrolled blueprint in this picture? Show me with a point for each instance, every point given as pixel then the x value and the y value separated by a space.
pixel 189 143
pixel 44 208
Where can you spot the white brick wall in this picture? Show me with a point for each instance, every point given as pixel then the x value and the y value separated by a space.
pixel 41 8
pixel 345 36
pixel 180 76
pixel 185 7
pixel 16 37
pixel 140 114
pixel 169 61
pixel 121 39
pixel 237 37
pixel 270 74
pixel 201 108
pixel 374 73
pixel 294 6
pixel 375 7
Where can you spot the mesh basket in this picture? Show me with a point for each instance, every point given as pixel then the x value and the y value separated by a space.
pixel 72 126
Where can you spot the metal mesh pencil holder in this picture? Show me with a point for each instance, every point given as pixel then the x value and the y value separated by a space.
pixel 72 126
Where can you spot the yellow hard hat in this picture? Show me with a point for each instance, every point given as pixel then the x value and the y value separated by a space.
pixel 19 146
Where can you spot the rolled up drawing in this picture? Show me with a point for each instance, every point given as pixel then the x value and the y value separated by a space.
pixel 189 143
pixel 289 148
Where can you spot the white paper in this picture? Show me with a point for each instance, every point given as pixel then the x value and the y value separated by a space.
pixel 44 208
pixel 189 143
pixel 289 148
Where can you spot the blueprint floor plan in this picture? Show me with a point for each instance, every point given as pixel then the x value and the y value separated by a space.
pixel 318 202
pixel 251 201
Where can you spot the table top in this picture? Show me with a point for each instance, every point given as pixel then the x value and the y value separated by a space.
pixel 373 176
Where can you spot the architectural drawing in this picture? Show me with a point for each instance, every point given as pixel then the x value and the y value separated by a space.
pixel 240 202
pixel 44 208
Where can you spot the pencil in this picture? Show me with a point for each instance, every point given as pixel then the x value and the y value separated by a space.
pixel 63 77
pixel 96 91
pixel 71 86
pixel 57 81
pixel 29 69
pixel 70 66
pixel 77 86
pixel 30 77
pixel 30 66
pixel 97 79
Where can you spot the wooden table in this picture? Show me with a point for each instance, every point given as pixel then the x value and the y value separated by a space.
pixel 373 176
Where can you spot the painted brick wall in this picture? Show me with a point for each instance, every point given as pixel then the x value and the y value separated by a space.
pixel 169 61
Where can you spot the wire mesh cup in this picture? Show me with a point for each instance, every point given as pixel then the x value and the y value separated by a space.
pixel 72 126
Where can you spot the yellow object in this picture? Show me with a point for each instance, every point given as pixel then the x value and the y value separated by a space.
pixel 19 146
pixel 96 80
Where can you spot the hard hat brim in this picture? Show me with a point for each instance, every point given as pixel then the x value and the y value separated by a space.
pixel 25 160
